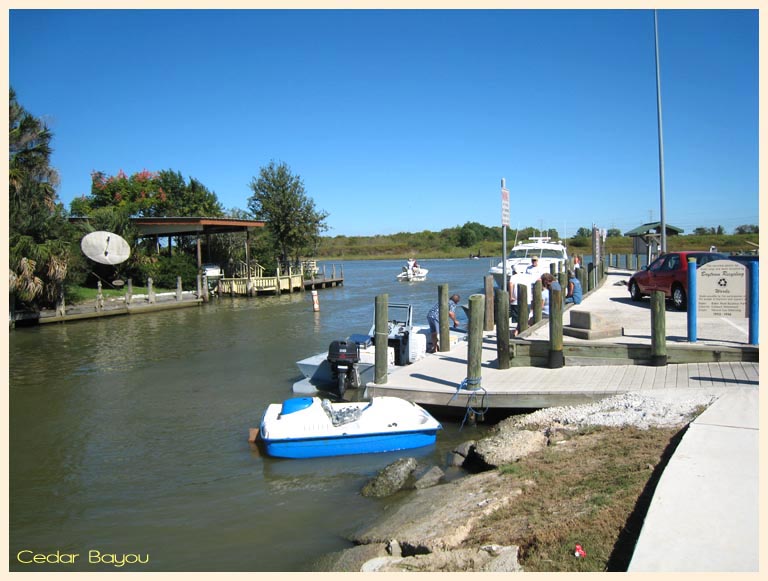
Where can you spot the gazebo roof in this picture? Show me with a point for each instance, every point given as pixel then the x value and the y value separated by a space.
pixel 175 226
pixel 653 228
pixel 170 226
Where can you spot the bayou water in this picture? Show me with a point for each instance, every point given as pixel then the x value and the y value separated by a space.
pixel 128 435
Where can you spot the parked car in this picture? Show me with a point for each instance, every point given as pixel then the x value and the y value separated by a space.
pixel 669 273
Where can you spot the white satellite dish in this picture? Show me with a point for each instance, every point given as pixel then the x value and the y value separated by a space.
pixel 105 247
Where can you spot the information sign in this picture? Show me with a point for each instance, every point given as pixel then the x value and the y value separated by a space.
pixel 722 289
pixel 504 207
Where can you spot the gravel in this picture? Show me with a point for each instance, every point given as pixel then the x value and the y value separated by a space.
pixel 665 409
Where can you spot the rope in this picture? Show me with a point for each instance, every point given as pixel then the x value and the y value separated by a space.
pixel 472 384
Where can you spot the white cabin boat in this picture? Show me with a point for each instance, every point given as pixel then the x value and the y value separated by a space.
pixel 519 258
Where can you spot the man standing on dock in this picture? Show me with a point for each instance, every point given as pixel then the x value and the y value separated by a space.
pixel 433 318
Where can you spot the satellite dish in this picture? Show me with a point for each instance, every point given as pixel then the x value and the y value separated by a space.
pixel 105 247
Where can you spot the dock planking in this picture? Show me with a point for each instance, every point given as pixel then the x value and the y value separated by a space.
pixel 435 380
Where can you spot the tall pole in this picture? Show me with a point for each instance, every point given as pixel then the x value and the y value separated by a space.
pixel 504 221
pixel 661 135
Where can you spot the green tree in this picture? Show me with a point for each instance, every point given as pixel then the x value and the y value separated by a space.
pixel 747 229
pixel 293 222
pixel 38 228
pixel 614 232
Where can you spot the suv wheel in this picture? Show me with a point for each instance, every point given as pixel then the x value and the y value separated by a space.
pixel 678 298
pixel 634 291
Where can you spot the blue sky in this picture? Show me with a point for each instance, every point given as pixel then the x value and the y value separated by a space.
pixel 406 120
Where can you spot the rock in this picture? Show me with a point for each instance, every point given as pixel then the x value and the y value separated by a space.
pixel 350 560
pixel 491 558
pixel 459 454
pixel 441 517
pixel 430 478
pixel 391 479
pixel 504 447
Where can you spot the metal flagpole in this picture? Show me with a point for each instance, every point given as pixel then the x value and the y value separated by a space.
pixel 661 135
pixel 504 224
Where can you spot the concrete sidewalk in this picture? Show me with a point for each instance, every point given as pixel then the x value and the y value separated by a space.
pixel 611 301
pixel 704 516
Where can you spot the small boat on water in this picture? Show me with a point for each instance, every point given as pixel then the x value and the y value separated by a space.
pixel 310 427
pixel 350 363
pixel 412 272
pixel 519 258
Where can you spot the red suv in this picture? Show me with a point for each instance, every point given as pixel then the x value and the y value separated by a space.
pixel 669 273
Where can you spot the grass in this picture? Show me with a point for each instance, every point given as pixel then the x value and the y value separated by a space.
pixel 591 488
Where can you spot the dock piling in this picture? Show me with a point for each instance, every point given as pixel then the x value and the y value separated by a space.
pixel 501 310
pixel 444 340
pixel 475 350
pixel 380 339
pixel 556 359
pixel 522 305
pixel 489 300
pixel 658 329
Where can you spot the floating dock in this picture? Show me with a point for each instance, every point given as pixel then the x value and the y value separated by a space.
pixel 720 358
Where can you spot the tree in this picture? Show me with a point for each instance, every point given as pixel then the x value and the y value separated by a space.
pixel 38 227
pixel 614 232
pixel 279 198
pixel 747 229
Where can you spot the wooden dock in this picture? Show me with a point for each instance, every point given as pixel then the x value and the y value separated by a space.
pixel 256 285
pixel 436 380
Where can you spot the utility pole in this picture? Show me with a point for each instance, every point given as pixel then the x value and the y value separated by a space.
pixel 661 135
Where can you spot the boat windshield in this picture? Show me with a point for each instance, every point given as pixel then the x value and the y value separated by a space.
pixel 540 252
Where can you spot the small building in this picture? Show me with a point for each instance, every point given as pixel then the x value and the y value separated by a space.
pixel 647 238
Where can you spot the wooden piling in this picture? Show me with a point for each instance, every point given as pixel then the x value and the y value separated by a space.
pixel 522 305
pixel 583 278
pixel 475 348
pixel 380 339
pixel 129 292
pixel 178 288
pixel 555 328
pixel 501 310
pixel 536 302
pixel 444 340
pixel 658 329
pixel 489 301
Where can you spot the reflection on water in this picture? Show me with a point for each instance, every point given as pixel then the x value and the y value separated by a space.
pixel 129 434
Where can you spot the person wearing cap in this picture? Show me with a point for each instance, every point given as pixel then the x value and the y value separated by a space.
pixel 533 268
pixel 433 318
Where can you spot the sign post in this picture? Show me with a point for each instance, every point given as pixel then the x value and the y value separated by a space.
pixel 504 225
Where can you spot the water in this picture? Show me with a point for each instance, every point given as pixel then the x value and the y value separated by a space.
pixel 128 435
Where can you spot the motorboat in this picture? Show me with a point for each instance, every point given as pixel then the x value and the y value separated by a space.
pixel 412 272
pixel 310 427
pixel 519 258
pixel 350 363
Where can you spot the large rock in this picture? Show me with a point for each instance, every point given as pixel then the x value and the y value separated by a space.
pixel 350 560
pixel 431 477
pixel 441 517
pixel 391 479
pixel 490 558
pixel 504 447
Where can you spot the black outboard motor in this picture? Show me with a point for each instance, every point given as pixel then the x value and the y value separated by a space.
pixel 344 357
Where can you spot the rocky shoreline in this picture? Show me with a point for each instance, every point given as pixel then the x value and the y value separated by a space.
pixel 426 529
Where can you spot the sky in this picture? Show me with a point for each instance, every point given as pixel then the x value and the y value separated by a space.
pixel 407 120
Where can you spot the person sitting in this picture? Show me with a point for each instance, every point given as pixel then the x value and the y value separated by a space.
pixel 433 318
pixel 573 293
pixel 549 283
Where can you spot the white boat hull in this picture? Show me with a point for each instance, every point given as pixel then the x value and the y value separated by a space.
pixel 310 427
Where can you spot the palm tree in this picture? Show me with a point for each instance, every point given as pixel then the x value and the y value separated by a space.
pixel 39 251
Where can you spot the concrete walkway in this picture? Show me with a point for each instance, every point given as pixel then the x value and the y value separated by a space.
pixel 704 516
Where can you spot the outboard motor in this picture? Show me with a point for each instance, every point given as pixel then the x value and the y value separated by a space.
pixel 344 357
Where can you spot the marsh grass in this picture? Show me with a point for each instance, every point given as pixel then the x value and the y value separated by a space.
pixel 591 488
